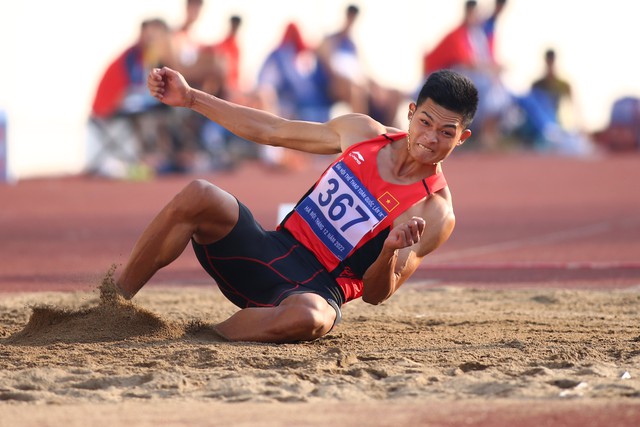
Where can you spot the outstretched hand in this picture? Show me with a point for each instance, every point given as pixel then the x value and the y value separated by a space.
pixel 170 87
pixel 405 234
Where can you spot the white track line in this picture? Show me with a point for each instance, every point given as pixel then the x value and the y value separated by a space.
pixel 517 265
pixel 436 261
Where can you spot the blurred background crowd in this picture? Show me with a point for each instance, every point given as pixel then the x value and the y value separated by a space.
pixel 132 135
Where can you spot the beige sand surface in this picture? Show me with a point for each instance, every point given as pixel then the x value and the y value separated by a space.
pixel 424 355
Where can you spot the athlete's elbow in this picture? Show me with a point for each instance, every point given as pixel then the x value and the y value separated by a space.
pixel 374 298
pixel 375 292
pixel 372 301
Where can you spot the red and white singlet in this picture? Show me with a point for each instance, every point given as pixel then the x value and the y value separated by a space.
pixel 348 213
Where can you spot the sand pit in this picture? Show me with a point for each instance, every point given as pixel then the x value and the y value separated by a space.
pixel 111 319
pixel 425 345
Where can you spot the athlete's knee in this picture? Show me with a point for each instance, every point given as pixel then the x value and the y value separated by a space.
pixel 312 323
pixel 209 210
pixel 191 200
pixel 308 321
pixel 196 191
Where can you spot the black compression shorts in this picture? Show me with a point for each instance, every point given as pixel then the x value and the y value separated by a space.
pixel 258 268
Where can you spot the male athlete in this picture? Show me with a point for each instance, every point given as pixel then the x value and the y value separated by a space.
pixel 360 231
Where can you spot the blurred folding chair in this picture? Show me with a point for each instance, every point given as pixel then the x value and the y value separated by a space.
pixel 112 146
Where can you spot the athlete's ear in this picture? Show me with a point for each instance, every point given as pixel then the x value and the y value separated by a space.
pixel 412 110
pixel 463 137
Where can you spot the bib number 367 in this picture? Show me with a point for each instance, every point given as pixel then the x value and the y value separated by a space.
pixel 339 204
pixel 340 210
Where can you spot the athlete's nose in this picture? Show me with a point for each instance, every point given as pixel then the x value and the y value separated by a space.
pixel 432 136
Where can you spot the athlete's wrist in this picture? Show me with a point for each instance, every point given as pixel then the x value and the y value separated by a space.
pixel 190 99
pixel 389 252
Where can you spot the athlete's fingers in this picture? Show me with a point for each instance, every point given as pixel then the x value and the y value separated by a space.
pixel 404 235
pixel 157 92
pixel 416 226
pixel 408 229
pixel 395 239
pixel 155 83
pixel 422 224
pixel 407 234
pixel 155 77
pixel 159 73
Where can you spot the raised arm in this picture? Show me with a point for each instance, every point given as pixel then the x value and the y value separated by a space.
pixel 260 126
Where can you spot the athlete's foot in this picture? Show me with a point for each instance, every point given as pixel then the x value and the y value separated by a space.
pixel 110 290
pixel 124 294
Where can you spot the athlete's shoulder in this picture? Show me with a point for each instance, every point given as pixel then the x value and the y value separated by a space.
pixel 439 208
pixel 354 128
pixel 435 209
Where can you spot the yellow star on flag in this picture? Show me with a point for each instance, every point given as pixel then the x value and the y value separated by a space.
pixel 388 201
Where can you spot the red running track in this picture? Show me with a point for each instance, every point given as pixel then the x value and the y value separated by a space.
pixel 523 220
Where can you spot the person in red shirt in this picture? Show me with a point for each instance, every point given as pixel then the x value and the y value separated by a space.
pixel 122 87
pixel 468 49
pixel 121 97
pixel 455 48
pixel 227 55
pixel 360 231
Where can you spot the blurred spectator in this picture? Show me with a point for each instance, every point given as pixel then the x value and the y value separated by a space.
pixel 290 80
pixel 347 80
pixel 468 50
pixel 223 80
pixel 196 62
pixel 122 103
pixel 123 88
pixel 542 127
pixel 227 61
pixel 489 25
pixel 4 169
pixel 623 131
pixel 291 86
pixel 339 59
pixel 187 48
pixel 551 86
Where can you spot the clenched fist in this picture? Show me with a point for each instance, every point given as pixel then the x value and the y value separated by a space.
pixel 170 87
pixel 405 234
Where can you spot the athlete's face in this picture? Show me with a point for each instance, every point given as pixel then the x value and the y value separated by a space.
pixel 434 132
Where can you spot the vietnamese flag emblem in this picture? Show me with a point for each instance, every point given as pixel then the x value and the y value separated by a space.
pixel 388 201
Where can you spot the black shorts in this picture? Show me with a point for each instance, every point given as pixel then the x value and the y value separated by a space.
pixel 258 268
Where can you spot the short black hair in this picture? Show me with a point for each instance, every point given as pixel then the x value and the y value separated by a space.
pixel 352 9
pixel 452 91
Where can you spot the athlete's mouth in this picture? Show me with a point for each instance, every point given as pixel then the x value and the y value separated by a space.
pixel 424 147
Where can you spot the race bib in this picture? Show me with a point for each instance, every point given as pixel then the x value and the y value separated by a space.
pixel 340 210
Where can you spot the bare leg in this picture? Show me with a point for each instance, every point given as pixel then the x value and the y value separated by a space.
pixel 300 317
pixel 201 210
